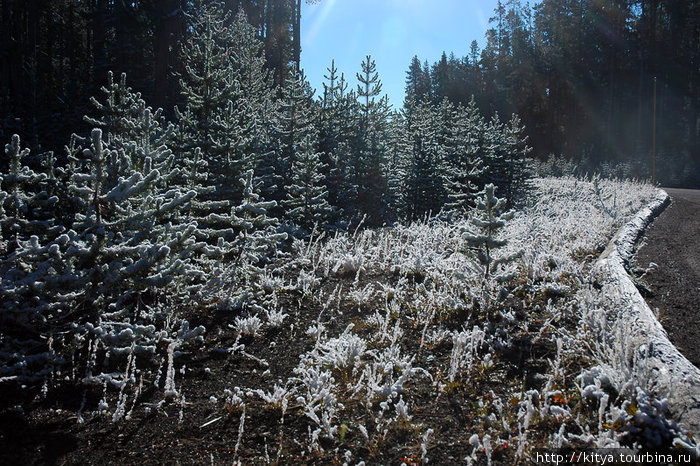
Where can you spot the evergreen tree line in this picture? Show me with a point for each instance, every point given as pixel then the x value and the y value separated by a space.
pixel 145 214
pixel 581 76
pixel 579 73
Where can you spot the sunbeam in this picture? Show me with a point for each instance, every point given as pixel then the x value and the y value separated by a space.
pixel 318 22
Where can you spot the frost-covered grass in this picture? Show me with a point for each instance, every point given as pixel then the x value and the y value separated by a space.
pixel 401 323
pixel 392 345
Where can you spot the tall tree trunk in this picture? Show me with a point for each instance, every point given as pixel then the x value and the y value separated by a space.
pixel 297 33
pixel 162 21
pixel 30 69
pixel 267 20
pixel 99 46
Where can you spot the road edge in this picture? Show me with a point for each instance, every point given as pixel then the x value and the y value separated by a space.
pixel 670 373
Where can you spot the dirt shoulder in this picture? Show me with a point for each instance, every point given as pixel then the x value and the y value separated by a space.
pixel 673 243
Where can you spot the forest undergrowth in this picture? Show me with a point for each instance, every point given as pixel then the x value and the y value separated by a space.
pixel 407 344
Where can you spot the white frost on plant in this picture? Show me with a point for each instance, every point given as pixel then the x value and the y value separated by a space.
pixel 465 349
pixel 343 352
pixel 275 317
pixel 248 325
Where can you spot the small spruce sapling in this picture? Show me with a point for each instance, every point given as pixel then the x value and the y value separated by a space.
pixel 33 274
pixel 28 205
pixel 257 238
pixel 257 231
pixel 489 222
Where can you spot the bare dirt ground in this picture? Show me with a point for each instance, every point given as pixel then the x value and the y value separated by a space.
pixel 673 243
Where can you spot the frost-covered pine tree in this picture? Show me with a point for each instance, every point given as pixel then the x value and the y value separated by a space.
pixel 505 155
pixel 130 126
pixel 307 204
pixel 444 114
pixel 132 205
pixel 194 175
pixel 517 149
pixel 207 82
pixel 28 296
pixel 228 97
pixel 240 287
pixel 463 162
pixel 206 133
pixel 255 90
pixel 115 111
pixel 422 157
pixel 224 128
pixel 337 124
pixel 488 220
pixel 495 157
pixel 37 290
pixel 257 230
pixel 130 230
pixel 304 194
pixel 125 258
pixel 395 166
pixel 369 147
pixel 29 205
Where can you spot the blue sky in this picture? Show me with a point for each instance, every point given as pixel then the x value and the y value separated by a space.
pixel 392 31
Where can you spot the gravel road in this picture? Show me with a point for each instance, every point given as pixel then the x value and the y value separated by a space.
pixel 673 242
